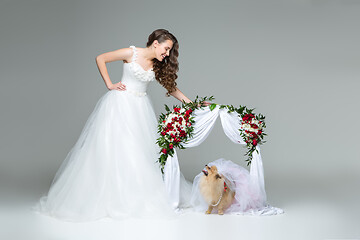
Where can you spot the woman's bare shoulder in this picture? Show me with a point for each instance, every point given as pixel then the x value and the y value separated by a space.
pixel 121 54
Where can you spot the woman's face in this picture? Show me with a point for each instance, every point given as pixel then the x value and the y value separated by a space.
pixel 162 50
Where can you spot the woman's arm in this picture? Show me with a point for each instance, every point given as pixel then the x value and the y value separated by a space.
pixel 180 96
pixel 123 54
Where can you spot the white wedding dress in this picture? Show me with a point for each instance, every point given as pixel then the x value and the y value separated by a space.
pixel 111 171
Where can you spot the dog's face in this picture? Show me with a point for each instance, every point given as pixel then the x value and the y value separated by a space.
pixel 211 172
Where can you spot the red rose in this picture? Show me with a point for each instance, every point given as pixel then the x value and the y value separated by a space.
pixel 259 132
pixel 188 112
pixel 163 133
pixel 254 142
pixel 171 146
pixel 164 150
pixel 247 117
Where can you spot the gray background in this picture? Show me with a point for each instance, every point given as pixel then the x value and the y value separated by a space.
pixel 296 62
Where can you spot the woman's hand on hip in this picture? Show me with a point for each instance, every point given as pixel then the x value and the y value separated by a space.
pixel 117 86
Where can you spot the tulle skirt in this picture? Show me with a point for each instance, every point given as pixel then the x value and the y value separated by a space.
pixel 111 171
pixel 248 197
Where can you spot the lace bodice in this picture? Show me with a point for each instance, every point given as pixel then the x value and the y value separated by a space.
pixel 135 77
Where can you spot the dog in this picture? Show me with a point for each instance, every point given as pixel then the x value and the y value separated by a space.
pixel 215 191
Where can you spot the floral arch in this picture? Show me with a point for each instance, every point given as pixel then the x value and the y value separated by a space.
pixel 189 125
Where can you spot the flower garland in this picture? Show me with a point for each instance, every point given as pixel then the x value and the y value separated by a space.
pixel 251 128
pixel 175 127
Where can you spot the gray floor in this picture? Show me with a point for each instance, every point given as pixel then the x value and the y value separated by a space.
pixel 314 209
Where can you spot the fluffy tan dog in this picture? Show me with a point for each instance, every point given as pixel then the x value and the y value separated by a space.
pixel 213 188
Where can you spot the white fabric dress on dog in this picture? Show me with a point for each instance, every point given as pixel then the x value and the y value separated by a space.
pixel 248 197
pixel 112 171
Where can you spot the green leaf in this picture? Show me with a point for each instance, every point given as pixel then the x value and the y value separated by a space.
pixel 212 106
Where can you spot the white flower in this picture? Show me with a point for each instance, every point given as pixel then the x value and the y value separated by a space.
pixel 246 126
pixel 138 71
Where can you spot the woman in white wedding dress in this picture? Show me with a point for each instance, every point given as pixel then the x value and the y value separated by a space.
pixel 111 171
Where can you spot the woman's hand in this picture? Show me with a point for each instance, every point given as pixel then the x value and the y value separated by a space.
pixel 117 86
pixel 205 103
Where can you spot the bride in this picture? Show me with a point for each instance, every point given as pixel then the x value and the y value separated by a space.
pixel 111 171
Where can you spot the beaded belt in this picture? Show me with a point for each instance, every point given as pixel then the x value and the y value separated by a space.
pixel 136 93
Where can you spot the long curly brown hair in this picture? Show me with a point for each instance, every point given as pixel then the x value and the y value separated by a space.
pixel 165 71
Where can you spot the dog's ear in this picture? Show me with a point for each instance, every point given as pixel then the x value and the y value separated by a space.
pixel 217 176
